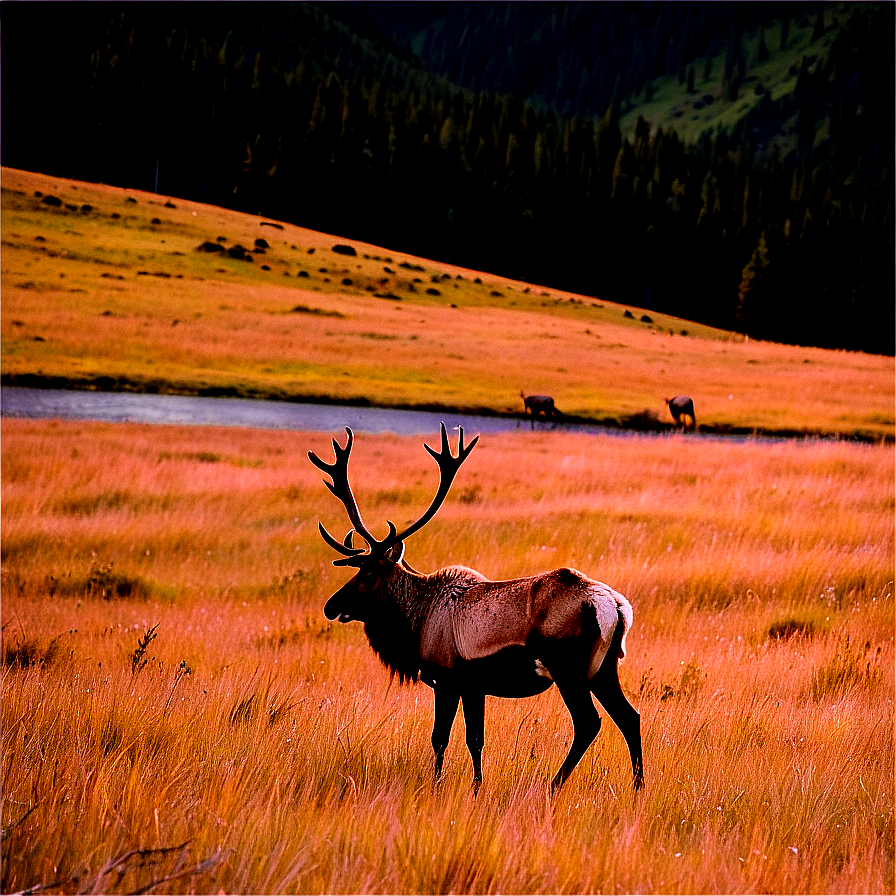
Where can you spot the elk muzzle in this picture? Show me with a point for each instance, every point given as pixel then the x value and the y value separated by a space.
pixel 342 605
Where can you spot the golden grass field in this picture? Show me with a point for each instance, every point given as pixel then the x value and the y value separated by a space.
pixel 88 298
pixel 179 716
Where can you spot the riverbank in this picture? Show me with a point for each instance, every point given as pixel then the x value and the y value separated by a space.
pixel 644 422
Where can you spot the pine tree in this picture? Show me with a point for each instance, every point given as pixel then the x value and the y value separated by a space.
pixel 754 292
pixel 762 53
pixel 785 26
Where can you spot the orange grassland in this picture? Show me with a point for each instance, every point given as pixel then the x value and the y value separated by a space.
pixel 120 292
pixel 178 715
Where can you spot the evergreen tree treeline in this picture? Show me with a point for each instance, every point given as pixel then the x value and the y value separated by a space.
pixel 358 119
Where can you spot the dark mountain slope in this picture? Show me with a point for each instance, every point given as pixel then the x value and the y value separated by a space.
pixel 348 118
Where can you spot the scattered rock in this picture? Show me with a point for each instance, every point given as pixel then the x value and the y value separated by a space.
pixel 261 244
pixel 342 249
pixel 271 224
pixel 55 201
pixel 208 246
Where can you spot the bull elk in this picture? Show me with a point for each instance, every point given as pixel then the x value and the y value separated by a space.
pixel 467 637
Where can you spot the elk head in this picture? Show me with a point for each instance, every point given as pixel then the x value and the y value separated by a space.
pixel 378 560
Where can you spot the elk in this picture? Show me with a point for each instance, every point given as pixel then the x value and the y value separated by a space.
pixel 682 409
pixel 467 637
pixel 541 405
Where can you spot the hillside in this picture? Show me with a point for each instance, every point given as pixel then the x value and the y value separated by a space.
pixel 589 136
pixel 121 289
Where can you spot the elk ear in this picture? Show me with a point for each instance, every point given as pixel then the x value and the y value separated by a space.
pixel 395 553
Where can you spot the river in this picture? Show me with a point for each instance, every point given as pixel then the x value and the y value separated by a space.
pixel 129 407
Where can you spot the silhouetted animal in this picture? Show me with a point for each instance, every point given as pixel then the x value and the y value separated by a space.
pixel 466 636
pixel 541 406
pixel 682 409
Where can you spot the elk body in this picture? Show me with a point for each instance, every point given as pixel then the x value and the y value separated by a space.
pixel 468 637
pixel 541 406
pixel 682 409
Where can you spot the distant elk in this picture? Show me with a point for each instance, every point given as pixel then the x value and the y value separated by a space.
pixel 466 636
pixel 541 406
pixel 682 409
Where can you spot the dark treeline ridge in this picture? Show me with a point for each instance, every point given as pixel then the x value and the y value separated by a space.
pixel 488 135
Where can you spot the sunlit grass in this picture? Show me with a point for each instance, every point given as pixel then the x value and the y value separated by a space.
pixel 177 712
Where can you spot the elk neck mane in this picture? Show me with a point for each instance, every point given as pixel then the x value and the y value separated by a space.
pixel 407 599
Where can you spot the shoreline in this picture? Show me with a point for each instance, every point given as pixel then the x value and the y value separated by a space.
pixel 645 421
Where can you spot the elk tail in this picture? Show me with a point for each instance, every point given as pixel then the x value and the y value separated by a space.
pixel 616 649
pixel 617 645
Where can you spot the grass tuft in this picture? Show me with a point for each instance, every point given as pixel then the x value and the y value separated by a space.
pixel 792 627
pixel 28 652
pixel 849 666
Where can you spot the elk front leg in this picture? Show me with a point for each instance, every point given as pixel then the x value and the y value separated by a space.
pixel 474 721
pixel 586 725
pixel 446 701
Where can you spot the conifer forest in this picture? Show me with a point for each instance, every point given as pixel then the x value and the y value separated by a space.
pixel 518 138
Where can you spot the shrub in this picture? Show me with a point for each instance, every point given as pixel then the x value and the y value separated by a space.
pixel 792 627
pixel 30 652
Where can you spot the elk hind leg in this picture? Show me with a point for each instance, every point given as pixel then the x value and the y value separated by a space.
pixel 474 721
pixel 586 725
pixel 446 709
pixel 606 687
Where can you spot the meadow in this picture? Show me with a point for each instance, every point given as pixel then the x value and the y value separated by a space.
pixel 111 289
pixel 179 716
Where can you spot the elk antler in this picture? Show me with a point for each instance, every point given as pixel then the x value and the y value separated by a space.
pixel 338 471
pixel 448 467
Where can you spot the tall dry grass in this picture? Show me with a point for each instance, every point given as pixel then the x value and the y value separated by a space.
pixel 178 716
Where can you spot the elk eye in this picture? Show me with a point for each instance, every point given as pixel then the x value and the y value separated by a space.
pixel 368 579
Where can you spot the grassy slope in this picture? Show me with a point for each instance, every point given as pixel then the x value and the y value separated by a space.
pixel 88 295
pixel 264 749
pixel 672 107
